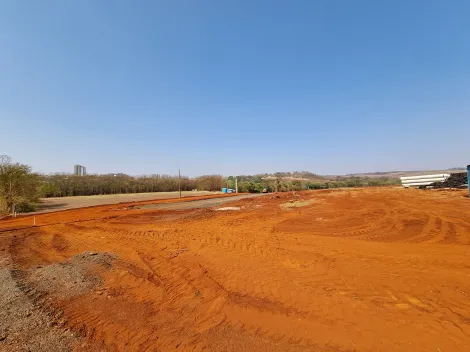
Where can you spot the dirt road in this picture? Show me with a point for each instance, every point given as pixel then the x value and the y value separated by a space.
pixel 199 204
pixel 64 203
pixel 382 269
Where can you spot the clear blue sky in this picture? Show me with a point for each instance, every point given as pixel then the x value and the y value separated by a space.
pixel 235 87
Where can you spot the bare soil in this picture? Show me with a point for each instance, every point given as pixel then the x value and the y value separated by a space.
pixel 379 269
pixel 30 317
pixel 106 210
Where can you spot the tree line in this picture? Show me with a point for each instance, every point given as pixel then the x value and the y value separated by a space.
pixel 286 181
pixel 21 188
pixel 66 185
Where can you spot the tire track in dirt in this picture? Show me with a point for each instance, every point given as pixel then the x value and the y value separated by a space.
pixel 184 282
pixel 239 250
pixel 89 322
pixel 376 221
pixel 271 279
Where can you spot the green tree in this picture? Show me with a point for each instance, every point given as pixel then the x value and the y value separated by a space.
pixel 230 184
pixel 18 186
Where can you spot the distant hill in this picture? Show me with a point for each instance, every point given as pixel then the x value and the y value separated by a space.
pixel 396 174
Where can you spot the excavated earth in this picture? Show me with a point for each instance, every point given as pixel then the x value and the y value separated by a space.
pixel 378 269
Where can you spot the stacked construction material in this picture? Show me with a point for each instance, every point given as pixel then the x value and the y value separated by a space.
pixel 457 180
pixel 423 180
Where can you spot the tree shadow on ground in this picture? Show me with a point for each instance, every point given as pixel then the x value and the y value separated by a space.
pixel 45 206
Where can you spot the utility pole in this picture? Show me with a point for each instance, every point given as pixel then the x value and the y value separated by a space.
pixel 236 184
pixel 179 181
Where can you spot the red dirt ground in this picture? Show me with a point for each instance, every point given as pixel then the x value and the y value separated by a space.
pixel 383 269
pixel 93 212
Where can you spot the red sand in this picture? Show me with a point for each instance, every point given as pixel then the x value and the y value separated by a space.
pixel 383 269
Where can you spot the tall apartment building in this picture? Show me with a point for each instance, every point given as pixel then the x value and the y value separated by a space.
pixel 79 170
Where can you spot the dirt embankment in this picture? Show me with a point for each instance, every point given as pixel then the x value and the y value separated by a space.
pixel 344 270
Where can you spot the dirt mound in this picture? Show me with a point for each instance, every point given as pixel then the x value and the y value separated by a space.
pixel 72 278
pixel 456 180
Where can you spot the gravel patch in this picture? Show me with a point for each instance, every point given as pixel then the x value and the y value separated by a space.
pixel 24 327
pixel 70 279
pixel 28 322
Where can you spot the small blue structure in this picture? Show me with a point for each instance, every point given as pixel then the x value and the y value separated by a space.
pixel 224 190
pixel 468 179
